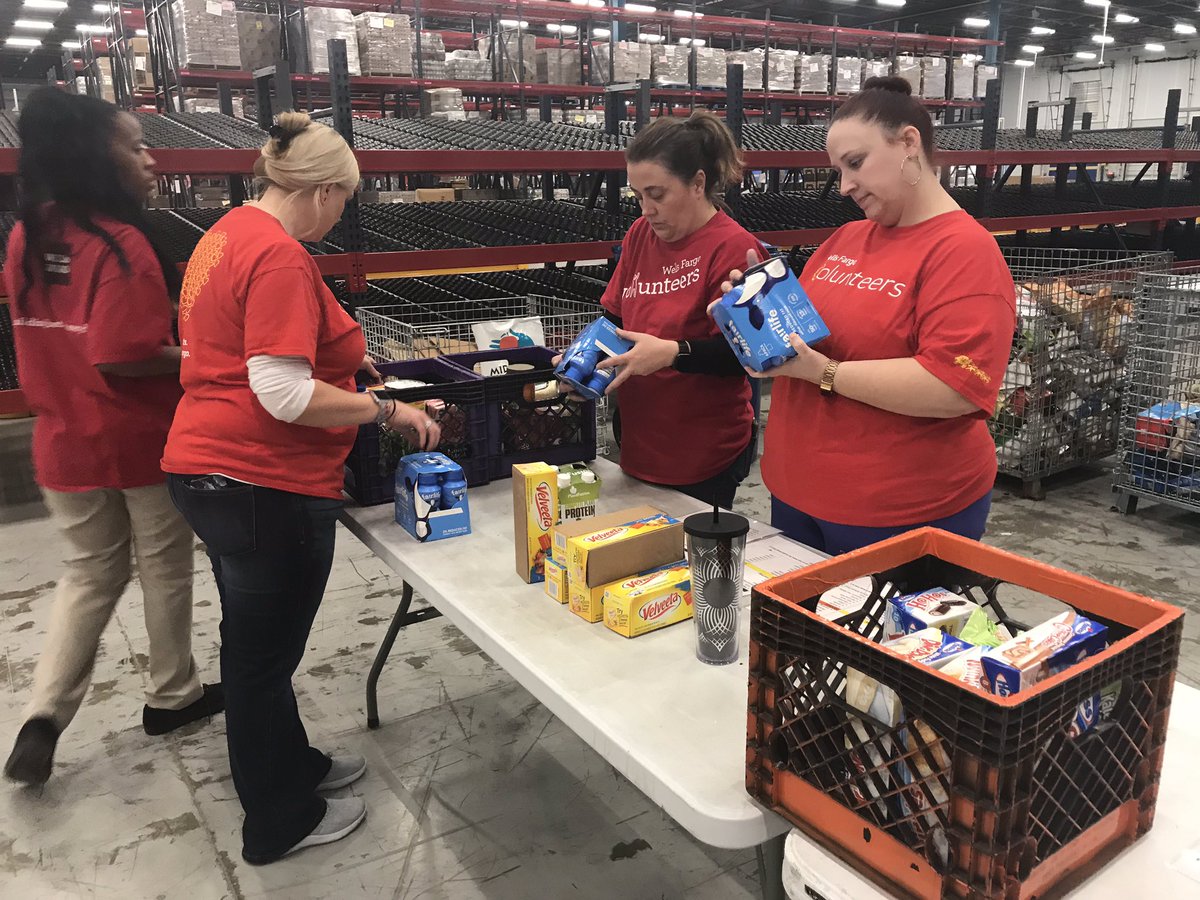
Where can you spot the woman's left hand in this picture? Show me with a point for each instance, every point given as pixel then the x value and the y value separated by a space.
pixel 807 365
pixel 368 366
pixel 649 355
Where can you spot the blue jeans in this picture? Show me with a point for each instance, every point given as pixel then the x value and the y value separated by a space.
pixel 271 552
pixel 835 539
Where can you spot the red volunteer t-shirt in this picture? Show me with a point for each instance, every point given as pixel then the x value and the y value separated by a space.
pixel 83 309
pixel 679 428
pixel 250 289
pixel 939 291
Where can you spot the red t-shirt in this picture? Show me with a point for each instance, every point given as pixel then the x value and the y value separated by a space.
pixel 250 289
pixel 83 309
pixel 939 291
pixel 679 428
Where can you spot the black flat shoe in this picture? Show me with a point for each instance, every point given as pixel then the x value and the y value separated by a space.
pixel 162 721
pixel 32 755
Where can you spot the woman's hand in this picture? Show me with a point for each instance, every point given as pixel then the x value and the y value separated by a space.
pixel 807 365
pixel 649 355
pixel 368 366
pixel 422 432
pixel 734 277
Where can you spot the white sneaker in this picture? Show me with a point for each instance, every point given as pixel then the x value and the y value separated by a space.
pixel 342 816
pixel 345 771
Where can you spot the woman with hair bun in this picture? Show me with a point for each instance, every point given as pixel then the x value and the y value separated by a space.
pixel 882 427
pixel 686 419
pixel 255 457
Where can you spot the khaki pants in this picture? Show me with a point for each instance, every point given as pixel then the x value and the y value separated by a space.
pixel 100 527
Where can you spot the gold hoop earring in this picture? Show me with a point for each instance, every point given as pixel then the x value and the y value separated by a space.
pixel 920 174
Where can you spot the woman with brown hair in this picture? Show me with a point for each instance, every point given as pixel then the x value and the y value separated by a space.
pixel 255 457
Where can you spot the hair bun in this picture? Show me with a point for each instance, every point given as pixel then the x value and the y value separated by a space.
pixel 892 83
pixel 287 126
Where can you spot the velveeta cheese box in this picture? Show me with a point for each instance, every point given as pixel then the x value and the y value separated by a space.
pixel 610 554
pixel 586 602
pixel 557 583
pixel 563 533
pixel 535 510
pixel 646 603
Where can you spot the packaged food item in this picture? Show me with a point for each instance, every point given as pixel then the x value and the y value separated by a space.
pixel 535 510
pixel 578 491
pixel 761 313
pixel 936 608
pixel 611 554
pixel 646 603
pixel 929 647
pixel 431 497
pixel 968 668
pixel 1094 710
pixel 586 602
pixel 566 530
pixel 1043 651
pixel 557 583
pixel 597 342
pixel 980 631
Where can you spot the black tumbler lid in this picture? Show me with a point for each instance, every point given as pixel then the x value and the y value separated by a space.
pixel 724 525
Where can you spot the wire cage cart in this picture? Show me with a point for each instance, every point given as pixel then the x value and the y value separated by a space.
pixel 410 330
pixel 1060 403
pixel 1159 450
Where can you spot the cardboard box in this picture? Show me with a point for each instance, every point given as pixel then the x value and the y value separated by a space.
pixel 258 40
pixel 535 510
pixel 562 535
pixel 614 553
pixel 587 602
pixel 649 602
pixel 431 497
pixel 434 195
pixel 558 583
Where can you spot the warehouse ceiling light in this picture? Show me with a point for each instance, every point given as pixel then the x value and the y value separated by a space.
pixel 142 32
pixel 1024 63
pixel 513 23
pixel 33 24
pixel 22 42
pixel 1125 19
pixel 72 45
pixel 1181 28
pixel 651 38
pixel 594 4
pixel 1041 29
pixel 601 33
pixel 1103 39
pixel 92 29
pixel 895 3
pixel 103 9
pixel 1033 48
pixel 45 4
pixel 972 22
pixel 1085 54
pixel 699 42
pixel 1156 48
pixel 1097 2
pixel 688 14
pixel 640 8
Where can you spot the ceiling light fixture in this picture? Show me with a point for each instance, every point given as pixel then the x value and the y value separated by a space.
pixel 72 45
pixel 92 29
pixel 1041 29
pixel 1085 54
pixel 1097 2
pixel 1103 39
pixel 1155 48
pixel 22 42
pixel 46 4
pixel 893 3
pixel 1182 28
pixel 33 24
pixel 601 33
pixel 687 14
pixel 1025 63
pixel 1125 19
pixel 513 23
pixel 972 22
pixel 1033 48
pixel 640 8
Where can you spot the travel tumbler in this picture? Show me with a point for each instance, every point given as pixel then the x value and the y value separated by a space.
pixel 716 544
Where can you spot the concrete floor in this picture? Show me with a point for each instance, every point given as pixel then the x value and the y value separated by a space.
pixel 474 790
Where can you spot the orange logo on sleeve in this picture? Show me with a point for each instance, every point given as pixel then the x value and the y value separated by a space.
pixel 963 362
pixel 204 259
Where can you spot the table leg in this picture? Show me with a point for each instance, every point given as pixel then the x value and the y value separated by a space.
pixel 401 619
pixel 770 868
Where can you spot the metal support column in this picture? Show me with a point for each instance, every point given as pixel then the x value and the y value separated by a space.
pixel 991 129
pixel 774 117
pixel 642 104
pixel 343 122
pixel 546 114
pixel 1170 135
pixel 237 186
pixel 735 119
pixel 614 112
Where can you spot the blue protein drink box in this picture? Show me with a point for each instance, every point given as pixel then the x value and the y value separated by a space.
pixel 597 342
pixel 761 312
pixel 431 497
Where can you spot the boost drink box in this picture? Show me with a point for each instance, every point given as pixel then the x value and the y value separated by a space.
pixel 648 602
pixel 535 510
pixel 597 342
pixel 759 315
pixel 936 608
pixel 1043 651
pixel 431 497
pixel 558 585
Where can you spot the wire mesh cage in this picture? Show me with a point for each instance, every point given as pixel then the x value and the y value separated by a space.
pixel 1159 449
pixel 1060 403
pixel 410 330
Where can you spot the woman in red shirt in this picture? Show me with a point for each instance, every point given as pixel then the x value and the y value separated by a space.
pixel 255 457
pixel 685 413
pixel 92 324
pixel 882 427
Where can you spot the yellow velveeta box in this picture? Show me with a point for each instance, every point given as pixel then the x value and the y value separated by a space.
pixel 611 554
pixel 557 583
pixel 587 602
pixel 648 602
pixel 535 510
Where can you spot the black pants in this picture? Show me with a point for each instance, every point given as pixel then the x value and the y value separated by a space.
pixel 271 553
pixel 722 487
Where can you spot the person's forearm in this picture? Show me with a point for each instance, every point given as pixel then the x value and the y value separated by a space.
pixel 164 362
pixel 710 356
pixel 332 407
pixel 901 386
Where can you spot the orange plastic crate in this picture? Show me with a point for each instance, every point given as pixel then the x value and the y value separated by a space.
pixel 970 795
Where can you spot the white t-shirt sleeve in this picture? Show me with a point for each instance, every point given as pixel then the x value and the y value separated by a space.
pixel 283 384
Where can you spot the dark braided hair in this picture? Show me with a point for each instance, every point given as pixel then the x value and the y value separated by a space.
pixel 68 173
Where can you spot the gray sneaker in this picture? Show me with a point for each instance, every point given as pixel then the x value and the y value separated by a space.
pixel 345 771
pixel 342 816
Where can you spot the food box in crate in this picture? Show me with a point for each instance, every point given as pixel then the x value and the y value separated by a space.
pixel 448 394
pixel 528 420
pixel 936 786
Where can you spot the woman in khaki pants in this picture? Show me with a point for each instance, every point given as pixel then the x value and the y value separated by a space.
pixel 92 321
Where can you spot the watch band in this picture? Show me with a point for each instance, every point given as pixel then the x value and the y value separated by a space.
pixel 384 408
pixel 685 350
pixel 827 377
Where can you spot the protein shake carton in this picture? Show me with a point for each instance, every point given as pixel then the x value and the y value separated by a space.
pixel 936 608
pixel 557 583
pixel 535 510
pixel 648 602
pixel 1043 651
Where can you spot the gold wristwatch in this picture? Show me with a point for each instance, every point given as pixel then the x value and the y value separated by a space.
pixel 827 377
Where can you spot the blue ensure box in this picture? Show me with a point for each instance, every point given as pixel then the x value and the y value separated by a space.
pixel 431 497
pixel 758 316
pixel 597 342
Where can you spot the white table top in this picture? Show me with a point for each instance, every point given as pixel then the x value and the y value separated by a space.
pixel 673 726
pixel 1164 863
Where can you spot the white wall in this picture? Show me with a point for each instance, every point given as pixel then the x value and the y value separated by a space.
pixel 1148 76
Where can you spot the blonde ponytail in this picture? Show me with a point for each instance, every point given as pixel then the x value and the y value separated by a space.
pixel 302 155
